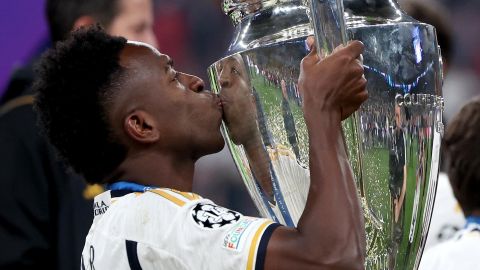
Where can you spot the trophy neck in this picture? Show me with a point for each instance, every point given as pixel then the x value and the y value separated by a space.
pixel 372 12
pixel 238 10
pixel 262 23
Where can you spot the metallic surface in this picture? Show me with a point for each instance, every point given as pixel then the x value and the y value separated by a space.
pixel 393 140
pixel 328 22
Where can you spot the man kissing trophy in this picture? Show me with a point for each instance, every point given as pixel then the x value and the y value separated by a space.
pixel 393 140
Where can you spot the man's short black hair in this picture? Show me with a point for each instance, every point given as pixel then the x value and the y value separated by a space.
pixel 75 82
pixel 62 14
pixel 462 146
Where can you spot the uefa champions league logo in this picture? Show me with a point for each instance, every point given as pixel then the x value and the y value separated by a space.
pixel 212 216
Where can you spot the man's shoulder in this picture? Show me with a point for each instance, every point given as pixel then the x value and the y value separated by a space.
pixel 19 84
pixel 18 125
pixel 161 204
pixel 166 208
pixel 18 114
pixel 182 228
pixel 456 252
pixel 21 105
pixel 175 197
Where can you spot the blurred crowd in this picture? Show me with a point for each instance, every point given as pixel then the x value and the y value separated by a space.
pixel 197 33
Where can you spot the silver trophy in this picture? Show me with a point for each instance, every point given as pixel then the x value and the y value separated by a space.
pixel 393 140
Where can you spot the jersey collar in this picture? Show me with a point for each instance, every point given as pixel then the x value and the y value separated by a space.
pixel 121 188
pixel 473 220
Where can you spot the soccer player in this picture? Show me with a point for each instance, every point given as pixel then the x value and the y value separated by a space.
pixel 120 114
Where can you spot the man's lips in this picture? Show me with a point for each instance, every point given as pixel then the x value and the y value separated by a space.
pixel 218 101
pixel 223 99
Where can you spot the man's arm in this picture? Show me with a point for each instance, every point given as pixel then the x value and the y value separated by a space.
pixel 330 233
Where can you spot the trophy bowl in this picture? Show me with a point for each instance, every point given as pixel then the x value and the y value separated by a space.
pixel 393 140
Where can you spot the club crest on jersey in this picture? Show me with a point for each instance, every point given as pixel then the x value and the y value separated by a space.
pixel 212 216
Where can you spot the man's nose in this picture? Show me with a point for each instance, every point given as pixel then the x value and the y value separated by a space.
pixel 196 84
pixel 224 80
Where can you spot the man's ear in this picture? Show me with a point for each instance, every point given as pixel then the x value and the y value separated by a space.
pixel 141 127
pixel 83 21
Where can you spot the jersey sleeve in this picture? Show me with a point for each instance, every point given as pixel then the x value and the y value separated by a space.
pixel 225 239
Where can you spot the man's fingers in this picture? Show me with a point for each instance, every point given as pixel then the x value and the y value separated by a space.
pixel 310 42
pixel 358 69
pixel 359 89
pixel 356 99
pixel 312 57
pixel 354 49
pixel 311 45
pixel 338 48
pixel 360 84
pixel 360 59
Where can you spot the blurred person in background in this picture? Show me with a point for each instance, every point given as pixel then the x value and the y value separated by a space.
pixel 133 19
pixel 462 145
pixel 463 81
pixel 46 211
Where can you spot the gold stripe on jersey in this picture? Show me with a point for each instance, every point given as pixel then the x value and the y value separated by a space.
pixel 255 243
pixel 165 194
pixel 115 199
pixel 190 196
pixel 195 196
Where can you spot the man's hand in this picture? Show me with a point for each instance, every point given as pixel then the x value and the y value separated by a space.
pixel 335 84
pixel 331 232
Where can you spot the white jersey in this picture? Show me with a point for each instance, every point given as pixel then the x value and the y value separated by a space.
pixel 447 216
pixel 459 253
pixel 168 229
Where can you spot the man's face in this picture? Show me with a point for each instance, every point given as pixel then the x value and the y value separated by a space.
pixel 134 21
pixel 187 117
pixel 239 109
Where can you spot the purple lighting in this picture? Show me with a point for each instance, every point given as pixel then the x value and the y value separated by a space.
pixel 22 29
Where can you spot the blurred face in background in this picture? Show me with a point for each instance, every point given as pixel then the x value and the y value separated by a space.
pixel 134 21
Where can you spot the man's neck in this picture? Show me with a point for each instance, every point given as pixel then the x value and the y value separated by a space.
pixel 157 170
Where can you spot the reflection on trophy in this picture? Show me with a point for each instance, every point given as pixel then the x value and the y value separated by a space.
pixel 393 140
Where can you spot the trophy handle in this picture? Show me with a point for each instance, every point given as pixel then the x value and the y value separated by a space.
pixel 328 22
